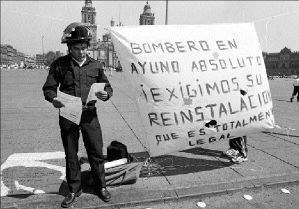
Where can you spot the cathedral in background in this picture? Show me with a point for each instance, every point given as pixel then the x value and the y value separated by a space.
pixel 103 49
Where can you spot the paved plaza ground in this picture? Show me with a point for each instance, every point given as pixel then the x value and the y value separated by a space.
pixel 32 158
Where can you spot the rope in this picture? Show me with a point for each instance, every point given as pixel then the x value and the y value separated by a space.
pixel 145 148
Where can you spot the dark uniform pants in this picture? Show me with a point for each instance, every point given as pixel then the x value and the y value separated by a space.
pixel 93 142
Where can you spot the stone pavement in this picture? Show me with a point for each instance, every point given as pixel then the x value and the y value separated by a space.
pixel 273 156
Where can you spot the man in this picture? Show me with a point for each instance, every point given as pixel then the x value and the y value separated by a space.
pixel 74 74
pixel 296 89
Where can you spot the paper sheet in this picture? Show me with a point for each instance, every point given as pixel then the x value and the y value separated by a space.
pixel 93 89
pixel 73 107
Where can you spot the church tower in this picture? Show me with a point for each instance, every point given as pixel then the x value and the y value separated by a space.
pixel 147 17
pixel 88 13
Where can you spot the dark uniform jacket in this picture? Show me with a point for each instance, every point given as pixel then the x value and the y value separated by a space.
pixel 74 80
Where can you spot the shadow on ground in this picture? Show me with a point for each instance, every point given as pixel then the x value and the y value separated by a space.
pixel 167 165
pixel 282 100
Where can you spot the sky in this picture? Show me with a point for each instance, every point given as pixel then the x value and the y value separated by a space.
pixel 24 23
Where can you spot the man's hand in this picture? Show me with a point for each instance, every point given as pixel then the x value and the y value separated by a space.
pixel 102 95
pixel 56 103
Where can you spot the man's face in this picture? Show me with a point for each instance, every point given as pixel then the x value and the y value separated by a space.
pixel 79 51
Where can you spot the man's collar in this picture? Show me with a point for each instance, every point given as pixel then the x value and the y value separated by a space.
pixel 78 62
pixel 86 60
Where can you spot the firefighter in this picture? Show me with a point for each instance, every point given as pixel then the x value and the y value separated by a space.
pixel 73 74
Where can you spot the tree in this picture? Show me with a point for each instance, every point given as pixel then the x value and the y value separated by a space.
pixel 50 57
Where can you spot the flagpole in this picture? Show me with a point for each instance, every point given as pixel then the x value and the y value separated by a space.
pixel 43 49
pixel 166 16
pixel 43 44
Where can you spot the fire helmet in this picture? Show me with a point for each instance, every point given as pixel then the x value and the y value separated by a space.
pixel 76 32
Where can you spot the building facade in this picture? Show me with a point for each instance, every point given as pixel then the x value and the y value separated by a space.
pixel 11 56
pixel 40 60
pixel 107 55
pixel 29 61
pixel 4 55
pixel 283 63
pixel 101 50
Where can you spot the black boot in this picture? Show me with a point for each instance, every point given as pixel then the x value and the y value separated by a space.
pixel 104 194
pixel 70 198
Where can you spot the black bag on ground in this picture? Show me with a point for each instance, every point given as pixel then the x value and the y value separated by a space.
pixel 117 150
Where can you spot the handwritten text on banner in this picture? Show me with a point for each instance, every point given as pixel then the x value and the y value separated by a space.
pixel 195 84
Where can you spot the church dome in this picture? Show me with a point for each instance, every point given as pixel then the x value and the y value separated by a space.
pixel 147 8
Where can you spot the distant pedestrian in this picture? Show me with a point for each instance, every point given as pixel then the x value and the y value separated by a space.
pixel 238 151
pixel 74 74
pixel 110 69
pixel 296 89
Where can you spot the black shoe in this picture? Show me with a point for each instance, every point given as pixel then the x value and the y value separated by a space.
pixel 104 195
pixel 70 198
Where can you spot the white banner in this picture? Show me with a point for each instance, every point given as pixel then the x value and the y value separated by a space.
pixel 195 84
